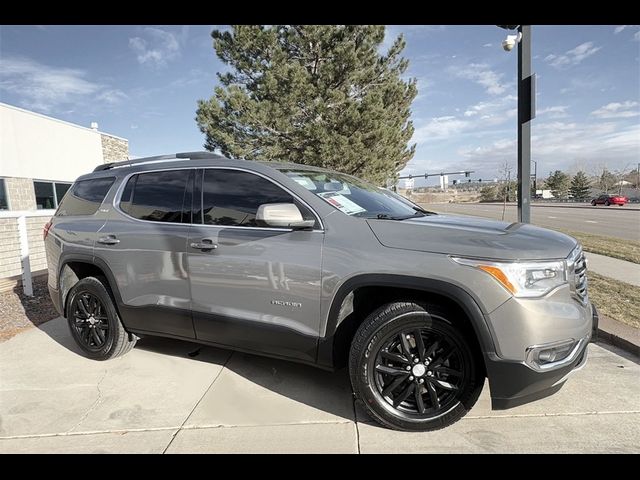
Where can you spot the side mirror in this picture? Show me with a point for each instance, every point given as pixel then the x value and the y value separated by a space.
pixel 282 215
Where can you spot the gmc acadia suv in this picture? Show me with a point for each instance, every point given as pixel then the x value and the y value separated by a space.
pixel 322 268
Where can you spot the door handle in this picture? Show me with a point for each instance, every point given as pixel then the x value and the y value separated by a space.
pixel 205 244
pixel 109 240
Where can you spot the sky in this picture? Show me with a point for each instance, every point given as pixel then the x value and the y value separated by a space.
pixel 142 83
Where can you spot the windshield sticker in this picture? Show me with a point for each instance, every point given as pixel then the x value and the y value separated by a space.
pixel 342 203
pixel 305 182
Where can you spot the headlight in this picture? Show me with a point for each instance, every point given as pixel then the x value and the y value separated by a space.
pixel 522 279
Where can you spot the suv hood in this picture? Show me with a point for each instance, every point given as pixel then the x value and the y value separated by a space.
pixel 473 237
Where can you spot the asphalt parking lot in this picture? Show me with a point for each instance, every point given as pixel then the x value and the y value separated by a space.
pixel 172 396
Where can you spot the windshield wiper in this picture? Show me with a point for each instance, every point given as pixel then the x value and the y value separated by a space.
pixel 385 216
pixel 421 210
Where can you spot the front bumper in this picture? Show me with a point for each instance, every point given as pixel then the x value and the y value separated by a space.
pixel 514 383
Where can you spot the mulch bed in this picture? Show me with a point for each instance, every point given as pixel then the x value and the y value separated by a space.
pixel 19 312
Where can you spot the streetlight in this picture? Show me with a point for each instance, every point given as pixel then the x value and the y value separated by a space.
pixel 526 113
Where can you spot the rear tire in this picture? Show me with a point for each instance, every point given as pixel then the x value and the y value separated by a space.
pixel 412 369
pixel 94 321
pixel 607 203
pixel 593 203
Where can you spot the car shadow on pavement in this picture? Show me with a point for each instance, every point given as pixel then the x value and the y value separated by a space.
pixel 323 390
pixel 247 376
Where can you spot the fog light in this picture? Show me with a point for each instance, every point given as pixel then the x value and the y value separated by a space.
pixel 545 356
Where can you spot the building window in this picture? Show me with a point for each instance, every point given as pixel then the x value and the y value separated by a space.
pixel 49 194
pixel 4 204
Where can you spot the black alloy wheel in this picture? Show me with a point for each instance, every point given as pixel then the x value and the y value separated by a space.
pixel 94 320
pixel 419 372
pixel 413 369
pixel 90 321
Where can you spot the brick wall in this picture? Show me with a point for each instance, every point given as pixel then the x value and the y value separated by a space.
pixel 20 193
pixel 114 149
pixel 10 262
pixel 9 248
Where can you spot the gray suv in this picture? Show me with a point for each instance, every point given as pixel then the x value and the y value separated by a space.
pixel 322 268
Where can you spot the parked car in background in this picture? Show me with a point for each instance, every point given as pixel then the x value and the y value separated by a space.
pixel 607 199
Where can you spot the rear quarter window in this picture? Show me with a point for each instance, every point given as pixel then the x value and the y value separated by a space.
pixel 85 197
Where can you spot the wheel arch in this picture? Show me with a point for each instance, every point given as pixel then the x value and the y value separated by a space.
pixel 74 268
pixel 387 287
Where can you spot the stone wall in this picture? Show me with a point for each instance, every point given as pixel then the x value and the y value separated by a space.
pixel 114 149
pixel 10 261
pixel 20 193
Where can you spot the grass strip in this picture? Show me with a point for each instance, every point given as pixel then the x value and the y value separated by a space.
pixel 615 299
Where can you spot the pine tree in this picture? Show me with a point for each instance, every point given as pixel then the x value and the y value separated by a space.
pixel 558 183
pixel 313 94
pixel 580 186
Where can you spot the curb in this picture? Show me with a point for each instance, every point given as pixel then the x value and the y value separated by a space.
pixel 616 341
pixel 619 335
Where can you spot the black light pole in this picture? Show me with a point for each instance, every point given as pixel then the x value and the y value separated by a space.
pixel 526 113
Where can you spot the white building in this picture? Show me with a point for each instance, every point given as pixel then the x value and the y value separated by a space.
pixel 40 157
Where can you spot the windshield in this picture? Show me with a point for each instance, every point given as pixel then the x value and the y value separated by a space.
pixel 355 197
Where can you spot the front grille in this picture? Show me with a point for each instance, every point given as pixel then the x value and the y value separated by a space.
pixel 577 266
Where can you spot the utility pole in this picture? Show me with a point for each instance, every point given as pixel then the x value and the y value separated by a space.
pixel 526 113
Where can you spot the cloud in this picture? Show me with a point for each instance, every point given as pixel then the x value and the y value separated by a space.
pixel 572 57
pixel 475 119
pixel 489 109
pixel 618 110
pixel 636 36
pixel 488 45
pixel 44 87
pixel 112 96
pixel 439 128
pixel 556 111
pixel 481 74
pixel 158 48
pixel 554 145
pixel 619 29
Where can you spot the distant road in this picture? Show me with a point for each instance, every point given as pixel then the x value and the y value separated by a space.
pixel 613 221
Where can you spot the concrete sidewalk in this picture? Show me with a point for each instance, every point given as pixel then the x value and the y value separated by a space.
pixel 627 272
pixel 172 396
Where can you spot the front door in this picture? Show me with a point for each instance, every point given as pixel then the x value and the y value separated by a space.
pixel 252 287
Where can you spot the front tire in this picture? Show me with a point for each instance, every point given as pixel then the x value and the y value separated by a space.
pixel 412 369
pixel 607 203
pixel 94 321
pixel 593 203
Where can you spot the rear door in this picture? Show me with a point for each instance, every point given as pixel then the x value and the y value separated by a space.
pixel 144 245
pixel 253 287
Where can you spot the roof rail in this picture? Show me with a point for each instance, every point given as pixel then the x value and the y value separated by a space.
pixel 159 158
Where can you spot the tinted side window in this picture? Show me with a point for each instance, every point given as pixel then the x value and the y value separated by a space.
pixel 155 196
pixel 85 197
pixel 232 197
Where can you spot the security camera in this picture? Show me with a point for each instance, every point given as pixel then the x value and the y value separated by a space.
pixel 510 42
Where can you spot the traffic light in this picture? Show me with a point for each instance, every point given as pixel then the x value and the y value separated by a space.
pixel 466 174
pixel 455 182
